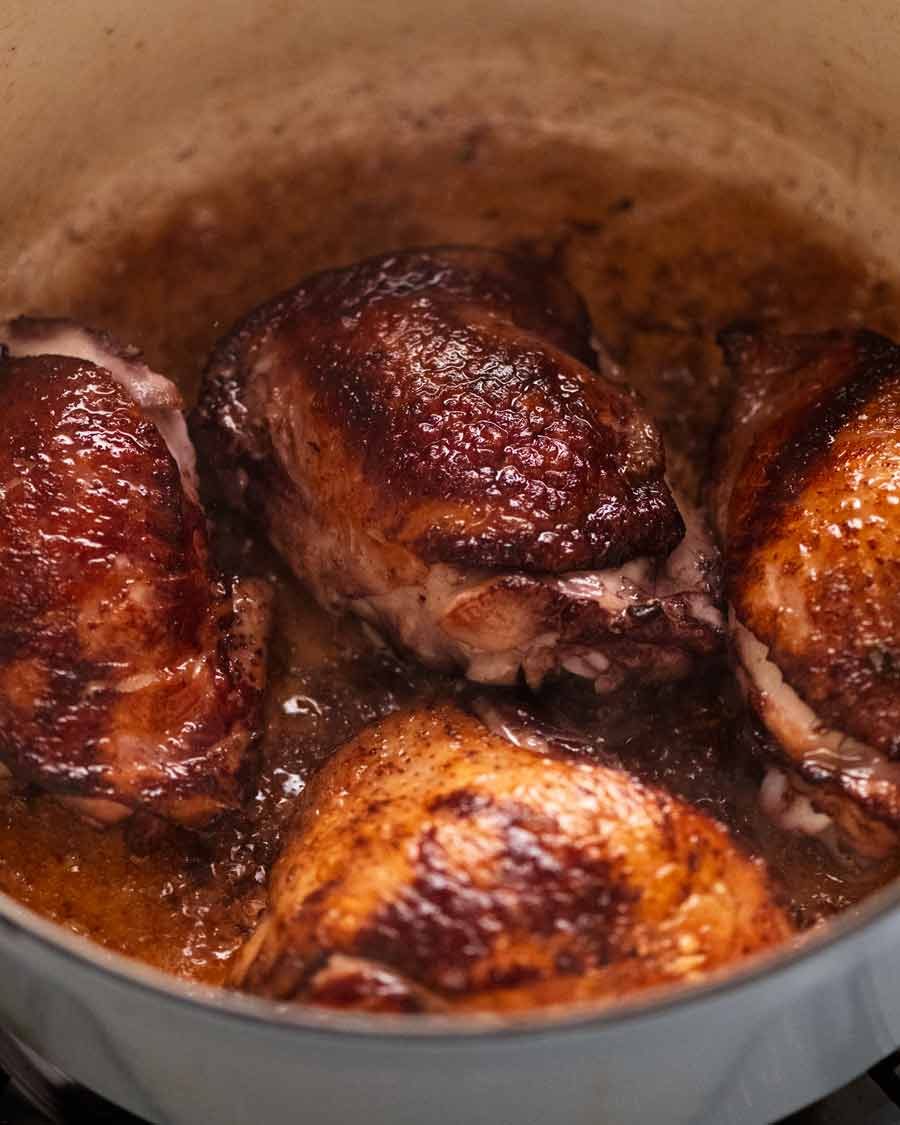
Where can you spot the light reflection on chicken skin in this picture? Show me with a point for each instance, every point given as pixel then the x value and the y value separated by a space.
pixel 435 865
pixel 130 675
pixel 808 507
pixel 428 444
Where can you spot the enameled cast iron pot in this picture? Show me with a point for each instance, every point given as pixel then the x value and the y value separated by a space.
pixel 93 90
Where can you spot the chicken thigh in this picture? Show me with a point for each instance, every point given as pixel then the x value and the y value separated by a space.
pixel 808 506
pixel 435 865
pixel 427 444
pixel 130 675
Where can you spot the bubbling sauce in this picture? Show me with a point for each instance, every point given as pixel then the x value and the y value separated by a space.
pixel 663 256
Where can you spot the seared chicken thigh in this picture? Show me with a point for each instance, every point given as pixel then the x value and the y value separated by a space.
pixel 427 444
pixel 130 676
pixel 433 864
pixel 808 506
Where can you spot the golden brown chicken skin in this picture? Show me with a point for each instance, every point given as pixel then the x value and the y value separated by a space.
pixel 435 865
pixel 130 675
pixel 428 445
pixel 809 510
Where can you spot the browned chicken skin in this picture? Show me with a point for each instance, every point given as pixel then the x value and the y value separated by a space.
pixel 809 511
pixel 427 444
pixel 433 864
pixel 130 676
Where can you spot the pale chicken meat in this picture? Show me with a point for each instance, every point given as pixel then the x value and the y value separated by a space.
pixel 434 865
pixel 130 672
pixel 808 506
pixel 427 442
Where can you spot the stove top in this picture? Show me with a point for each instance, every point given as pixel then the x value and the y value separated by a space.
pixel 40 1094
pixel 34 1092
pixel 872 1099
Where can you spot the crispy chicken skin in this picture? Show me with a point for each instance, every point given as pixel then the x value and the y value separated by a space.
pixel 435 865
pixel 808 507
pixel 427 444
pixel 130 676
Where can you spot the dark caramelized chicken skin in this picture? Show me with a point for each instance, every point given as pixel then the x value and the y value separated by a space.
pixel 809 511
pixel 427 443
pixel 434 864
pixel 130 675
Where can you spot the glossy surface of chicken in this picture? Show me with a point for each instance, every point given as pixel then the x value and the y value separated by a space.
pixel 427 444
pixel 809 511
pixel 435 865
pixel 130 676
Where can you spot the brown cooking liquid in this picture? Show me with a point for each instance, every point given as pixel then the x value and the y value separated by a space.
pixel 663 259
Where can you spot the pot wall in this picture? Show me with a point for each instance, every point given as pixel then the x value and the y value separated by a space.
pixel 91 85
pixel 746 1054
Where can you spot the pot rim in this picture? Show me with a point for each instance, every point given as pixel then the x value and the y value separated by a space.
pixel 18 921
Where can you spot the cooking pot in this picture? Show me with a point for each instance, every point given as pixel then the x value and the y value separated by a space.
pixel 116 107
